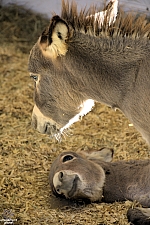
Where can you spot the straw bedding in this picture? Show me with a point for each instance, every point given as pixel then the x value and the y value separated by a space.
pixel 26 155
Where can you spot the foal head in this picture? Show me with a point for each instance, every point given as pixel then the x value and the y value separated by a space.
pixel 78 176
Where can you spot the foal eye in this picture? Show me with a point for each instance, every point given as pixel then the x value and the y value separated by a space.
pixel 34 77
pixel 67 158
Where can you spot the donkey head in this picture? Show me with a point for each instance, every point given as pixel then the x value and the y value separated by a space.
pixel 58 102
pixel 78 176
pixel 60 91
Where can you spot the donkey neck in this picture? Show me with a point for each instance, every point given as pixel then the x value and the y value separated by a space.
pixel 105 68
pixel 113 190
pixel 122 177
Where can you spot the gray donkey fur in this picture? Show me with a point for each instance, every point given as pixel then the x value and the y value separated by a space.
pixel 78 176
pixel 75 60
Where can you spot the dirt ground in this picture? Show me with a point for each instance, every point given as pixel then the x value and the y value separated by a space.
pixel 26 155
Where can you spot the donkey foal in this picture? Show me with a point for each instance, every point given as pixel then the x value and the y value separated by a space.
pixel 92 176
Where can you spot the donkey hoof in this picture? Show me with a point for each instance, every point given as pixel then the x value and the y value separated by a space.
pixel 138 216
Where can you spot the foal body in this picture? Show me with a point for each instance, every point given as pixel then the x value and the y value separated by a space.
pixel 78 176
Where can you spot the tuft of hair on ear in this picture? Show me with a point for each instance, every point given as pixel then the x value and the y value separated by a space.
pixel 53 39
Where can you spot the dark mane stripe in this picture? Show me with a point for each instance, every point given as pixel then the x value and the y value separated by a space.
pixel 131 25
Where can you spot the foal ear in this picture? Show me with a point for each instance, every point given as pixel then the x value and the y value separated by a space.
pixel 103 154
pixel 53 39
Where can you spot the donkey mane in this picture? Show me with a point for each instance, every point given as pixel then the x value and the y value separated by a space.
pixel 126 25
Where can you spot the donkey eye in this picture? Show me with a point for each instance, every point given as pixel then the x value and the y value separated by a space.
pixel 34 77
pixel 67 158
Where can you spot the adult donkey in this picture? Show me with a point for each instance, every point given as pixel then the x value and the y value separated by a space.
pixel 93 176
pixel 78 61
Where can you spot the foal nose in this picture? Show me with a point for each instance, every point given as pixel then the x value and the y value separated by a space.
pixel 65 182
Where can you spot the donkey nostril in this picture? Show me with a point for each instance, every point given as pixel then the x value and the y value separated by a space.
pixel 58 191
pixel 61 176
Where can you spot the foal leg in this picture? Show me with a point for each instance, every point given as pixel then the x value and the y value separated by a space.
pixel 139 216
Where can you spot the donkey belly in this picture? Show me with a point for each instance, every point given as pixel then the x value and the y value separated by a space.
pixel 136 106
pixel 139 115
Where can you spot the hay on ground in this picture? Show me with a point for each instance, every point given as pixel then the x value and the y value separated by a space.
pixel 26 155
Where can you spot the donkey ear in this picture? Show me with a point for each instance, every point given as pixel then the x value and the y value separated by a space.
pixel 53 39
pixel 103 154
